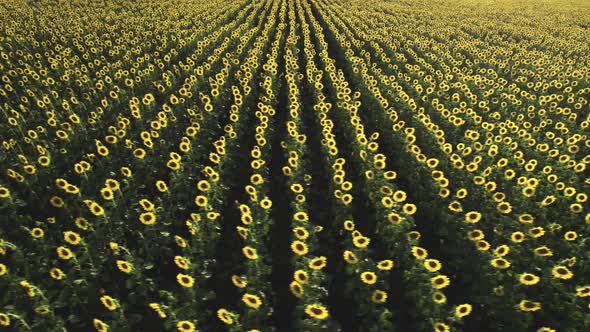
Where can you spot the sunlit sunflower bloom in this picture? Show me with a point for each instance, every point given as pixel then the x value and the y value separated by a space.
pixel 109 302
pixel 570 236
pixel 500 263
pixel 385 265
pixel 528 279
pixel 409 209
pixel 463 310
pixel 350 257
pixel 439 297
pixel 301 233
pixel 56 273
pixel 107 194
pixel 225 316
pixel 296 289
pixel 394 218
pixel 181 262
pixel 185 326
pixel 3 270
pixel 301 276
pixel 4 192
pixel 99 325
pixel 482 245
pixel 72 237
pixel 266 203
pixel 318 263
pixel 299 248
pixel 361 241
pixel 252 301
pixel 369 278
pixel 472 217
pixel 250 253
pixel 158 310
pixel 543 251
pixel 583 291
pixel 561 272
pixel 300 216
pixel 545 329
pixel 185 280
pixel 432 265
pixel 517 237
pixel 440 281
pixel 238 281
pixel 64 253
pixel 526 305
pixel 37 233
pixel 124 266
pixel 475 235
pixel 96 209
pixel 201 201
pixel 379 296
pixel 147 218
pixel 419 252
pixel 181 242
pixel 146 205
pixel 316 311
pixel 441 327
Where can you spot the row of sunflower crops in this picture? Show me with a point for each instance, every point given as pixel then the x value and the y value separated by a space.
pixel 309 165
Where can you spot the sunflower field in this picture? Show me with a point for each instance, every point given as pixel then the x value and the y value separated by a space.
pixel 294 165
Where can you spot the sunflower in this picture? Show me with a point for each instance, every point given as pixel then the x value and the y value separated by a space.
pixel 500 263
pixel 109 302
pixel 570 236
pixel 225 316
pixel 419 252
pixel 252 301
pixel 528 279
pixel 482 245
pixel 536 232
pixel 316 311
pixel 394 218
pixel 361 241
pixel 299 248
pixel 238 281
pixel 526 305
pixel 99 325
pixel 185 326
pixel 561 272
pixel 296 289
pixel 472 217
pixel 349 225
pixel 545 329
pixel 583 291
pixel 250 253
pixel 266 203
pixel 37 233
pixel 432 265
pixel 318 263
pixel 369 278
pixel 72 237
pixel 476 235
pixel 4 192
pixel 543 251
pixel 350 257
pixel 203 185
pixel 181 262
pixel 301 276
pixel 201 201
pixel 64 253
pixel 185 280
pixel 439 297
pixel 463 310
pixel 158 310
pixel 107 194
pixel 502 250
pixel 301 233
pixel 3 269
pixel 147 218
pixel 441 327
pixel 385 265
pixel 379 296
pixel 409 209
pixel 440 281
pixel 517 237
pixel 180 241
pixel 124 266
pixel 300 216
